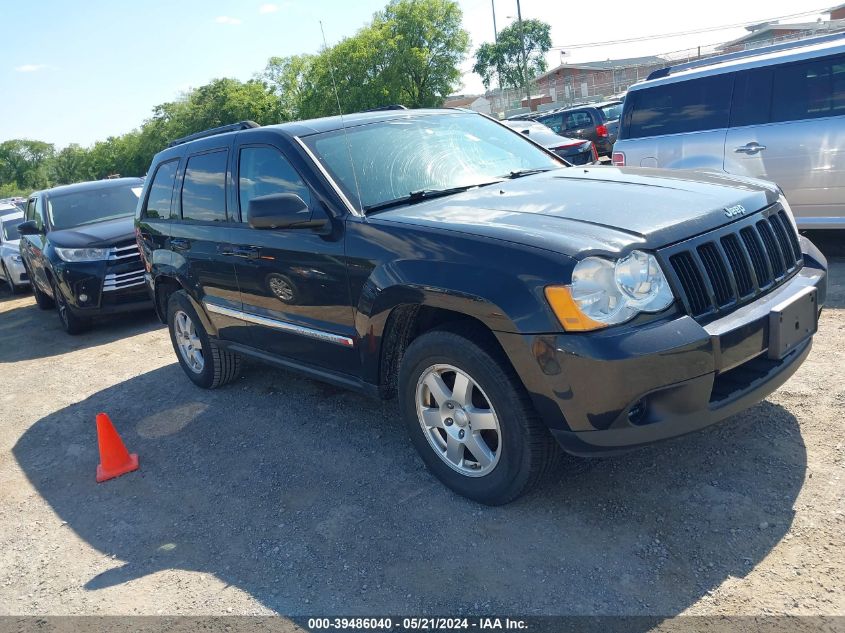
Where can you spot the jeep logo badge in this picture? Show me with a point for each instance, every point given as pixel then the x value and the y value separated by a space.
pixel 737 209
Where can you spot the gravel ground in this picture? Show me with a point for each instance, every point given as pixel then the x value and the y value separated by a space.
pixel 284 495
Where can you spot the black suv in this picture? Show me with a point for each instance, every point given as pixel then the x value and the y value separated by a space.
pixel 508 300
pixel 596 122
pixel 78 247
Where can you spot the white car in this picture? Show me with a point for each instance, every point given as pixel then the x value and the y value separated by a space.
pixel 11 266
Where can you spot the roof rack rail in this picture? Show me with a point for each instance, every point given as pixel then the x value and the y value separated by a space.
pixel 392 106
pixel 234 127
pixel 751 52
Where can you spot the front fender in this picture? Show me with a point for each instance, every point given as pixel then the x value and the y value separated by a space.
pixel 504 303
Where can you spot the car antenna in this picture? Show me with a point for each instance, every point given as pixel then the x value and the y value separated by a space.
pixel 342 122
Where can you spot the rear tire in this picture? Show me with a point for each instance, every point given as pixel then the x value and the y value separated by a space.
pixel 206 363
pixel 70 322
pixel 517 448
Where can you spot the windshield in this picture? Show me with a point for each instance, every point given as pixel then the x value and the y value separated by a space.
pixel 86 207
pixel 396 157
pixel 10 228
pixel 612 112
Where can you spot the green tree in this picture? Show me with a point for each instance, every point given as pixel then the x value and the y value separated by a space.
pixel 289 78
pixel 428 46
pixel 504 58
pixel 23 163
pixel 69 165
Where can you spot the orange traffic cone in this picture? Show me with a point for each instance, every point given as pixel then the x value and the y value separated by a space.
pixel 115 460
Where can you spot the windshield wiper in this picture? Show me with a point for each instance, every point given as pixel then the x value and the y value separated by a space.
pixel 423 194
pixel 519 173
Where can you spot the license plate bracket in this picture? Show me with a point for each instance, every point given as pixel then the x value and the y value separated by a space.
pixel 793 322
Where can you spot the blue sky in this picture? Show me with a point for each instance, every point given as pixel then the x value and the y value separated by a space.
pixel 94 68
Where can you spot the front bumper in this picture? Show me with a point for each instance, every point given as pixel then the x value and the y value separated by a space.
pixel 89 293
pixel 619 388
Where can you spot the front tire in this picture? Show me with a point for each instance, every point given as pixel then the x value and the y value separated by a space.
pixel 42 300
pixel 470 418
pixel 207 364
pixel 70 322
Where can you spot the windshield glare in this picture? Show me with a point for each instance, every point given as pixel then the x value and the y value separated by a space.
pixel 395 157
pixel 86 207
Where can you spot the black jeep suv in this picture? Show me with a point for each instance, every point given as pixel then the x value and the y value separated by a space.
pixel 508 300
pixel 78 247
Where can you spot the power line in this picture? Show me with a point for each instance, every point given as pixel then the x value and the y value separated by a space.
pixel 681 33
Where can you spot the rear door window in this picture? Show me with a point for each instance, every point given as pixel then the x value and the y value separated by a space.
pixel 204 189
pixel 686 106
pixel 160 198
pixel 577 120
pixel 809 90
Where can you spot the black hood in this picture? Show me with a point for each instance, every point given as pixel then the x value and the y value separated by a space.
pixel 96 235
pixel 595 209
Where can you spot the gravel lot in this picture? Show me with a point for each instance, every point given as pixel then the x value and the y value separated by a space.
pixel 283 495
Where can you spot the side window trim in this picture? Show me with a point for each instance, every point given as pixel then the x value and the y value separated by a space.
pixel 181 176
pixel 236 180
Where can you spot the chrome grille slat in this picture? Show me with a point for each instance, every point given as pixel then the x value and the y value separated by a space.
pixel 734 264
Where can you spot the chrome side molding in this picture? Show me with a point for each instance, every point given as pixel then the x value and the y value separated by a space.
pixel 319 335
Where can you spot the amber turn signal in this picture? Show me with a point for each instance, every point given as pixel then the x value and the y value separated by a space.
pixel 567 312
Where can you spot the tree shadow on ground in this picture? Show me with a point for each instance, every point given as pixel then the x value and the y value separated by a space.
pixel 313 501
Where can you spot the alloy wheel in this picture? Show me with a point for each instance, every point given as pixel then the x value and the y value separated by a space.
pixel 458 420
pixel 188 342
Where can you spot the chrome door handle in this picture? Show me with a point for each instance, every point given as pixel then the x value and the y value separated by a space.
pixel 750 148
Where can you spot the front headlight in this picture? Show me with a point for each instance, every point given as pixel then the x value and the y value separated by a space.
pixel 605 292
pixel 83 254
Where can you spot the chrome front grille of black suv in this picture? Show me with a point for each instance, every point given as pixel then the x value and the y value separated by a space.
pixel 733 265
pixel 125 269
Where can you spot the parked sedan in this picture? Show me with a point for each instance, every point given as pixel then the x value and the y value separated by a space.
pixel 11 265
pixel 79 249
pixel 572 150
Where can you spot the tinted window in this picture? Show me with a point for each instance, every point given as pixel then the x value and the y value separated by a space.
pixel 686 106
pixel 34 211
pixel 612 112
pixel 161 191
pixel 264 171
pixel 70 210
pixel 554 122
pixel 204 191
pixel 809 90
pixel 577 120
pixel 752 100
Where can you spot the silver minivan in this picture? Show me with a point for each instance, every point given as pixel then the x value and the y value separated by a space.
pixel 776 113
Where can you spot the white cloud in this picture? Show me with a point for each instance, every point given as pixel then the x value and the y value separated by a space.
pixel 225 19
pixel 268 8
pixel 30 68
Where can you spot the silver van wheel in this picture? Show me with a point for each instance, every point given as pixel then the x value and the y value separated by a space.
pixel 458 420
pixel 189 344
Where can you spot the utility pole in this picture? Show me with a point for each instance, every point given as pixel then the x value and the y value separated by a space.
pixel 496 41
pixel 524 57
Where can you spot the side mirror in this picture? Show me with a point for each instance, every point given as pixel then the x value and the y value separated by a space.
pixel 282 211
pixel 29 228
